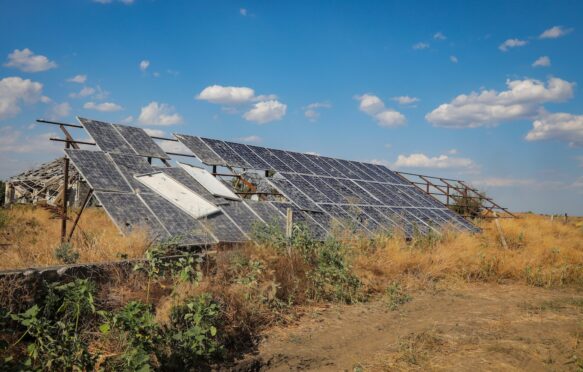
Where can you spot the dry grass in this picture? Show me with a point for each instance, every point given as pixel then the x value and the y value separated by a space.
pixel 30 236
pixel 540 252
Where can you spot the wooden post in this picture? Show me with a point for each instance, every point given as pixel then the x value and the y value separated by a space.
pixel 289 226
pixel 499 228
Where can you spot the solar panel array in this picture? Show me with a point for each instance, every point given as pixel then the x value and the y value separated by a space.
pixel 323 192
pixel 323 189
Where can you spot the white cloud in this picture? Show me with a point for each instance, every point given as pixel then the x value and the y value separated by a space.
pixel 522 100
pixel 144 65
pixel 126 2
pixel 84 92
pixel 15 90
pixel 559 126
pixel 311 111
pixel 381 162
pixel 543 61
pixel 14 141
pixel 452 151
pixel 439 36
pixel 159 114
pixel 243 12
pixel 420 46
pixel 249 139
pixel 226 95
pixel 453 59
pixel 375 107
pixel 266 111
pixel 79 79
pixel 60 110
pixel 512 43
pixel 555 32
pixel 25 60
pixel 405 100
pixel 127 119
pixel 103 107
pixel 420 160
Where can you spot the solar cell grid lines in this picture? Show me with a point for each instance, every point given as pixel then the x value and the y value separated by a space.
pixel 98 170
pixel 226 153
pixel 296 196
pixel 184 178
pixel 141 142
pixel 274 162
pixel 246 219
pixel 183 229
pixel 106 137
pixel 200 149
pixel 290 161
pixel 267 212
pixel 224 229
pixel 249 156
pixel 129 213
pixel 307 163
pixel 307 188
pixel 131 165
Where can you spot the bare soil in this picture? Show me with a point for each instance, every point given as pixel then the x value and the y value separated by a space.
pixel 478 327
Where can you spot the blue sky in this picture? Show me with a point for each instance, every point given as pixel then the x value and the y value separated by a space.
pixel 489 92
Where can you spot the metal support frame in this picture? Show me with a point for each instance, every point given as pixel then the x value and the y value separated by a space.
pixel 450 190
pixel 85 203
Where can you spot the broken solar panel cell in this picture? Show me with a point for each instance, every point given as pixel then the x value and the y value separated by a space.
pixel 183 229
pixel 141 142
pixel 106 137
pixel 98 170
pixel 274 162
pixel 223 228
pixel 299 217
pixel 131 165
pixel 129 214
pixel 307 188
pixel 249 156
pixel 225 152
pixel 268 213
pixel 240 213
pixel 200 149
pixel 184 178
pixel 294 195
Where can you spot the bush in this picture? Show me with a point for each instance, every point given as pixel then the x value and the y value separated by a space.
pixel 66 254
pixel 2 192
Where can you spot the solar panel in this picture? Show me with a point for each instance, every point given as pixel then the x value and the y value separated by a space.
pixel 306 187
pixel 225 152
pixel 106 137
pixel 129 213
pixel 98 170
pixel 245 217
pixel 327 167
pixel 183 228
pixel 274 162
pixel 140 141
pixel 337 164
pixel 307 163
pixel 290 162
pixel 249 156
pixel 287 189
pixel 300 217
pixel 268 213
pixel 131 165
pixel 200 149
pixel 184 178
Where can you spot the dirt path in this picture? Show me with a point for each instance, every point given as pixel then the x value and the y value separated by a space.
pixel 483 327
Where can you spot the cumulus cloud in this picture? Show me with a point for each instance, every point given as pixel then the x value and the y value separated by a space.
pixel 543 61
pixel 453 59
pixel 84 92
pixel 79 79
pixel 243 12
pixel 420 160
pixel 512 43
pixel 103 107
pixel 249 139
pixel 25 60
pixel 420 46
pixel 558 126
pixel 489 107
pixel 15 141
pixel 266 111
pixel 226 95
pixel 159 114
pixel 375 107
pixel 60 110
pixel 144 65
pixel 555 32
pixel 311 111
pixel 405 100
pixel 14 91
pixel 155 132
pixel 439 36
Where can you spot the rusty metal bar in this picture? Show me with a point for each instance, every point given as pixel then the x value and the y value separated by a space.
pixel 72 142
pixel 58 123
pixel 85 202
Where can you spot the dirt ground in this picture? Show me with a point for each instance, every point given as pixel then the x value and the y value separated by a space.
pixel 480 327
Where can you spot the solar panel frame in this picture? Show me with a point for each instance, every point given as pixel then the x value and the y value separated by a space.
pixel 293 194
pixel 141 142
pixel 328 167
pixel 178 223
pixel 98 170
pixel 299 217
pixel 289 161
pixel 306 187
pixel 184 178
pixel 244 216
pixel 337 163
pixel 131 165
pixel 106 137
pixel 267 212
pixel 249 156
pixel 200 149
pixel 226 153
pixel 308 164
pixel 224 228
pixel 320 183
pixel 270 158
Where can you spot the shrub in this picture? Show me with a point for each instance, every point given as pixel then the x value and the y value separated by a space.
pixel 66 254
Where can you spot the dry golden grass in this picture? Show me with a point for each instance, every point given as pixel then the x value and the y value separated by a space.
pixel 31 235
pixel 540 252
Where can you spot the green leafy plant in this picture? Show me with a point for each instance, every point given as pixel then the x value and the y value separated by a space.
pixel 396 296
pixel 66 254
